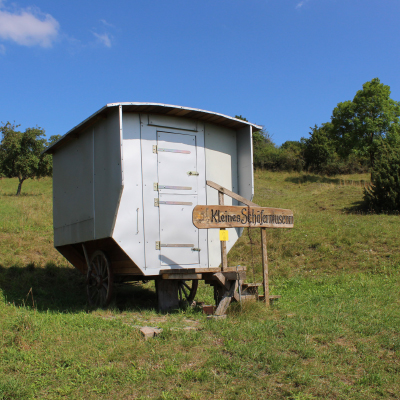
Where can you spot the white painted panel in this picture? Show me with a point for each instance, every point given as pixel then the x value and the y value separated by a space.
pixel 176 228
pixel 73 189
pixel 107 173
pixel 245 163
pixel 129 229
pixel 221 168
pixel 177 163
pixel 202 194
pixel 221 159
pixel 149 177
pixel 74 233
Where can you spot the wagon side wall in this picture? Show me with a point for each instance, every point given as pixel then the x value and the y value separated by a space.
pixel 245 169
pixel 107 174
pixel 87 183
pixel 129 226
pixel 73 211
pixel 221 167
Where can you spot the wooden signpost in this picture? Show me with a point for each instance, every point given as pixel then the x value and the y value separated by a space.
pixel 251 216
pixel 206 217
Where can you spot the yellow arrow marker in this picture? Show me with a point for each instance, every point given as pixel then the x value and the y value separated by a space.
pixel 223 235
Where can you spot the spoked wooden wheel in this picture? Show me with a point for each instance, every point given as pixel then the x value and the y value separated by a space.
pixel 187 291
pixel 99 280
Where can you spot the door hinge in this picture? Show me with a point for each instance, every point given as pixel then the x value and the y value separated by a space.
pixel 155 186
pixel 155 149
pixel 158 246
pixel 156 202
pixel 193 173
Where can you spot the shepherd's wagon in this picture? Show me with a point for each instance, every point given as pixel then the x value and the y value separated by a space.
pixel 125 183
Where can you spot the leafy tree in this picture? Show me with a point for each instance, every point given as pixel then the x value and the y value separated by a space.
pixel 291 156
pixel 242 118
pixel 384 194
pixel 360 126
pixel 319 148
pixel 292 145
pixel 21 153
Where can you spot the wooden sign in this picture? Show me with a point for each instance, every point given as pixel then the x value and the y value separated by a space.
pixel 205 217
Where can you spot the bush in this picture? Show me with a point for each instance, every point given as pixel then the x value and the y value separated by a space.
pixel 384 194
pixel 338 166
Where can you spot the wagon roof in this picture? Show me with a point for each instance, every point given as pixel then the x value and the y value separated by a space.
pixel 156 108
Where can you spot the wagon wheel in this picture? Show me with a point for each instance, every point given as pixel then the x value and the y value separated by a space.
pixel 99 280
pixel 187 291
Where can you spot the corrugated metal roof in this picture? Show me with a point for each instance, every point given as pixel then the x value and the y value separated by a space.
pixel 155 108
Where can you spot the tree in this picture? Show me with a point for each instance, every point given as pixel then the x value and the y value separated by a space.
pixel 384 194
pixel 319 148
pixel 360 126
pixel 291 156
pixel 21 153
pixel 293 145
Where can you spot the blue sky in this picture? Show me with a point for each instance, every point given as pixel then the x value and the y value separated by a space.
pixel 284 64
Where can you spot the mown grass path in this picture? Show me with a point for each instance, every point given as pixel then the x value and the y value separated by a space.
pixel 334 334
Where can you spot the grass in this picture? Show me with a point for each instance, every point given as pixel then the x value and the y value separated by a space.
pixel 334 334
pixel 26 232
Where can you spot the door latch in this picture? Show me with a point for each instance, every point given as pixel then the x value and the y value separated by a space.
pixel 193 173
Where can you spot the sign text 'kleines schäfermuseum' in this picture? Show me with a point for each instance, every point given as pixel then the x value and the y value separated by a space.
pixel 205 217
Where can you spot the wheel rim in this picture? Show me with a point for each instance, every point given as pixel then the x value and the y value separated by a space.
pixel 187 291
pixel 99 280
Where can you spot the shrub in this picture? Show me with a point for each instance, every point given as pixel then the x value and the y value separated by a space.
pixel 384 194
pixel 338 166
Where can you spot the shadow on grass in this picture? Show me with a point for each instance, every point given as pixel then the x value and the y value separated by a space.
pixel 358 207
pixel 361 208
pixel 312 179
pixel 63 289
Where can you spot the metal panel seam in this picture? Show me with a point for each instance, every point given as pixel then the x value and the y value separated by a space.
pixel 141 116
pixel 252 164
pixel 206 194
pixel 121 144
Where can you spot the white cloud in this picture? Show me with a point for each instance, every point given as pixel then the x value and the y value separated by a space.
pixel 104 38
pixel 28 27
pixel 301 4
pixel 104 22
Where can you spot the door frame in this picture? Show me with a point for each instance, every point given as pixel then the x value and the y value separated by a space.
pixel 149 160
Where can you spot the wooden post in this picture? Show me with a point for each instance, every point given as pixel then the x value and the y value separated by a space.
pixel 167 294
pixel 265 265
pixel 224 257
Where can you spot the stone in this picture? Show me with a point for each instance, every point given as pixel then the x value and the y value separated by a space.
pixel 149 332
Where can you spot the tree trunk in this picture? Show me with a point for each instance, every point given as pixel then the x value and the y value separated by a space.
pixel 19 187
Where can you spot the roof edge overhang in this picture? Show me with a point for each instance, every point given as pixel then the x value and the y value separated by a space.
pixel 154 108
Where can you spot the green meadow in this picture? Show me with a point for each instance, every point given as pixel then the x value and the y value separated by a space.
pixel 334 333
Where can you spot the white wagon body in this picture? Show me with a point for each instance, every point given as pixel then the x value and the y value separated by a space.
pixel 126 181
